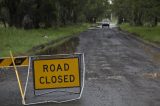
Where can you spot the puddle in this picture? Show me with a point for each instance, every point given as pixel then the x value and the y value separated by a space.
pixel 155 75
pixel 69 46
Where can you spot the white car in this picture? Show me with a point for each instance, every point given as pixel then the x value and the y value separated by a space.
pixel 105 22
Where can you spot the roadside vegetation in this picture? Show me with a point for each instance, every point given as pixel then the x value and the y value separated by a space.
pixel 142 17
pixel 28 23
pixel 151 34
pixel 137 12
pixel 20 40
pixel 31 14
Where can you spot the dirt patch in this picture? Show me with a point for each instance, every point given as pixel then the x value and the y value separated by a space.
pixel 63 46
pixel 153 75
pixel 156 57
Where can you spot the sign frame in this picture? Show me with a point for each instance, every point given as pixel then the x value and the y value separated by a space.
pixel 30 76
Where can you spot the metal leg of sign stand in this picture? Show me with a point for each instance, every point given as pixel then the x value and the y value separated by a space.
pixel 80 56
pixel 83 65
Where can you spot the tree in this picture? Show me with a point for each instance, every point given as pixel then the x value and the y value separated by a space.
pixel 47 13
pixel 95 9
pixel 137 12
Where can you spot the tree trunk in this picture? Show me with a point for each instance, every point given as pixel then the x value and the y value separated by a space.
pixel 155 21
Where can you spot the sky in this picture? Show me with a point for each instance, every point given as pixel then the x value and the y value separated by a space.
pixel 110 1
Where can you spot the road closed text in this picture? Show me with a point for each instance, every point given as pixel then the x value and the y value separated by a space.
pixel 57 79
pixel 56 73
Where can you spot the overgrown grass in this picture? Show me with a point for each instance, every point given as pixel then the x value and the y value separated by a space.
pixel 151 34
pixel 20 40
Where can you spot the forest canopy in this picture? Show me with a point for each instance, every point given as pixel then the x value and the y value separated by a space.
pixel 47 13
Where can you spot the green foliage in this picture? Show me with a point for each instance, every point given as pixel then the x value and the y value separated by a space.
pixel 137 12
pixel 147 33
pixel 96 9
pixel 20 40
pixel 46 13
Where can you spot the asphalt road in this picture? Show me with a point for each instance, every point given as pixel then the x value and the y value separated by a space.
pixel 120 71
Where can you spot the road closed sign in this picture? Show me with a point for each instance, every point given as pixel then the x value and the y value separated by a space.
pixel 56 73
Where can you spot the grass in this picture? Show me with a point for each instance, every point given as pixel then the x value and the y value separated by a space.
pixel 151 34
pixel 20 40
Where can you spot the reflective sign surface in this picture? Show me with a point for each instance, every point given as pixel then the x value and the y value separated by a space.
pixel 56 73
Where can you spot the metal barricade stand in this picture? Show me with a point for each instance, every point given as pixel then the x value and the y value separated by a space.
pixel 37 91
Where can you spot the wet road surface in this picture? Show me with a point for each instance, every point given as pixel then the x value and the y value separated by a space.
pixel 120 71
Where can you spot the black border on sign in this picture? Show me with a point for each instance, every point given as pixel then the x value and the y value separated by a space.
pixel 57 87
